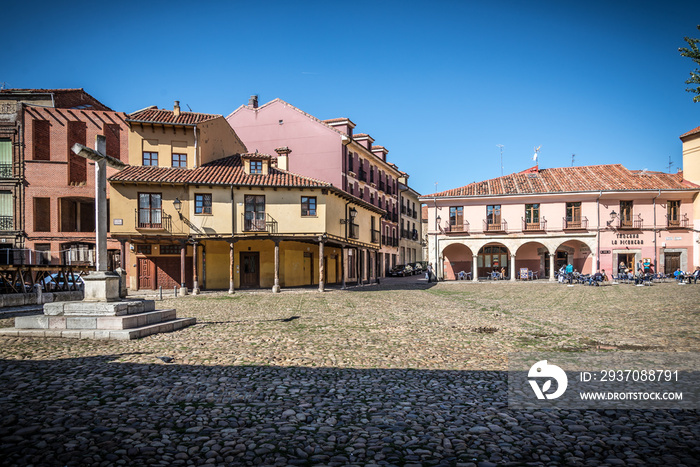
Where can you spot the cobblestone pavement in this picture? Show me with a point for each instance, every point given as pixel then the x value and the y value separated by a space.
pixel 406 373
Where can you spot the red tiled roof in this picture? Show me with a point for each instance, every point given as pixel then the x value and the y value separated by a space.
pixel 225 171
pixel 613 177
pixel 155 115
pixel 69 98
pixel 691 132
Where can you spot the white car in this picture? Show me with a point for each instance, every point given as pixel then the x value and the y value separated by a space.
pixel 55 283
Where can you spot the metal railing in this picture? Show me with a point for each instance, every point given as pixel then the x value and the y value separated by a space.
pixel 495 226
pixel 354 231
pixel 575 224
pixel 456 228
pixel 631 224
pixel 534 226
pixel 6 171
pixel 152 218
pixel 269 224
pixel 7 223
pixel 677 223
pixel 375 236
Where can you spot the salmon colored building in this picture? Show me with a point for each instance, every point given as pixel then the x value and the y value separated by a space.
pixel 593 217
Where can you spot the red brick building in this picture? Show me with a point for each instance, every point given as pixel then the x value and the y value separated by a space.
pixel 47 207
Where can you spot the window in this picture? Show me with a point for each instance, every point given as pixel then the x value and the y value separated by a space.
pixel 179 160
pixel 456 218
pixel 674 213
pixel 350 161
pixel 150 158
pixel 573 215
pixel 256 167
pixel 5 158
pixel 532 216
pixel 202 203
pixel 112 140
pixel 371 174
pixel 42 214
pixel 77 166
pixel 254 213
pixel 6 210
pixel 493 217
pixel 170 249
pixel 143 249
pixel 41 137
pixel 626 214
pixel 150 212
pixel 308 205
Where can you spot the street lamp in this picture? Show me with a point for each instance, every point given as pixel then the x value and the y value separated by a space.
pixel 613 216
pixel 177 204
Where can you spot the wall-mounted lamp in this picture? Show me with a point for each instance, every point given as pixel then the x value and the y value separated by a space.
pixel 177 204
pixel 437 221
pixel 613 216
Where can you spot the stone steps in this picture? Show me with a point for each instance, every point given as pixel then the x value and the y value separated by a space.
pixel 115 334
pixel 94 322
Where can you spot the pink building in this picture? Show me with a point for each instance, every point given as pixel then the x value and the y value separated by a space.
pixel 593 217
pixel 328 150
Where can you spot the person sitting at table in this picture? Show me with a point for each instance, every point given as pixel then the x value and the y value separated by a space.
pixel 678 275
pixel 462 275
pixel 639 279
pixel 596 279
pixel 695 275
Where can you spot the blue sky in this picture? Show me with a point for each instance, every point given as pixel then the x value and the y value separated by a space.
pixel 440 84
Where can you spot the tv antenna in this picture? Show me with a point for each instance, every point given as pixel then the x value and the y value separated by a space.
pixel 537 155
pixel 670 164
pixel 501 147
pixel 436 187
pixel 3 85
pixel 573 156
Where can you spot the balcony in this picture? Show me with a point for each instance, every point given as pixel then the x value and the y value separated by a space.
pixel 403 209
pixel 363 176
pixel 630 224
pixel 676 223
pixel 268 224
pixel 575 224
pixel 490 226
pixel 153 218
pixel 375 236
pixel 6 171
pixel 6 223
pixel 381 186
pixel 456 228
pixel 540 226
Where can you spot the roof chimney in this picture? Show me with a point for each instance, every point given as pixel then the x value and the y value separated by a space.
pixel 176 109
pixel 253 101
pixel 283 157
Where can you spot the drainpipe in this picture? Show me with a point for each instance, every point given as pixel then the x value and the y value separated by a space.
pixel 196 152
pixel 597 203
pixel 655 250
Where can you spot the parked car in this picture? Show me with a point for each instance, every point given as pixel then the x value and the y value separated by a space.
pixel 417 267
pixel 401 270
pixel 55 283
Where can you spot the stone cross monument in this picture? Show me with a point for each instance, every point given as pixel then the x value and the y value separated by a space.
pixel 101 285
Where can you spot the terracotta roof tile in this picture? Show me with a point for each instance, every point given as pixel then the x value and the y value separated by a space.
pixel 225 171
pixel 691 132
pixel 613 177
pixel 154 115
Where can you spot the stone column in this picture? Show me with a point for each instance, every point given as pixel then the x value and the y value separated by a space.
pixel 195 277
pixel 321 268
pixel 475 273
pixel 551 266
pixel 512 267
pixel 122 253
pixel 101 206
pixel 276 286
pixel 231 276
pixel 358 261
pixel 183 270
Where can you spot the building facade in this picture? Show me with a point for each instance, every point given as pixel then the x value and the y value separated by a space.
pixel 410 228
pixel 47 192
pixel 190 217
pixel 331 151
pixel 536 221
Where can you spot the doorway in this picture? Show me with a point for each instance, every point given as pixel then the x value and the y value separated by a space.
pixel 628 259
pixel 250 269
pixel 672 261
pixel 146 274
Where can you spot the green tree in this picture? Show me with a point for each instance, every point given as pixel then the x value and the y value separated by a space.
pixel 694 54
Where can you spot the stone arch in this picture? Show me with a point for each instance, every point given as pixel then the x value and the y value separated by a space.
pixel 456 257
pixel 494 256
pixel 577 251
pixel 533 255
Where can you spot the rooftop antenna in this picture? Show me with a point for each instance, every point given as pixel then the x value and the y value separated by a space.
pixel 536 156
pixel 501 147
pixel 670 164
pixel 188 106
pixel 573 156
pixel 435 187
pixel 3 85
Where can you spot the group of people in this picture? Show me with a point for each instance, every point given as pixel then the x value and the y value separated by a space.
pixel 567 274
pixel 691 277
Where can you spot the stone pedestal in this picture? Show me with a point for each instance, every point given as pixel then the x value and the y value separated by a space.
pixel 101 287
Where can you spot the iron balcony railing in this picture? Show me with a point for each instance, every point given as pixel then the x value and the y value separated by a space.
pixel 381 186
pixel 268 224
pixel 534 226
pixel 575 224
pixel 490 226
pixel 6 171
pixel 676 223
pixel 6 223
pixel 152 218
pixel 363 175
pixel 631 224
pixel 456 228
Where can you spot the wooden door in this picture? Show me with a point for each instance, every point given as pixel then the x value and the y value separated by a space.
pixel 146 274
pixel 309 268
pixel 250 269
pixel 672 261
